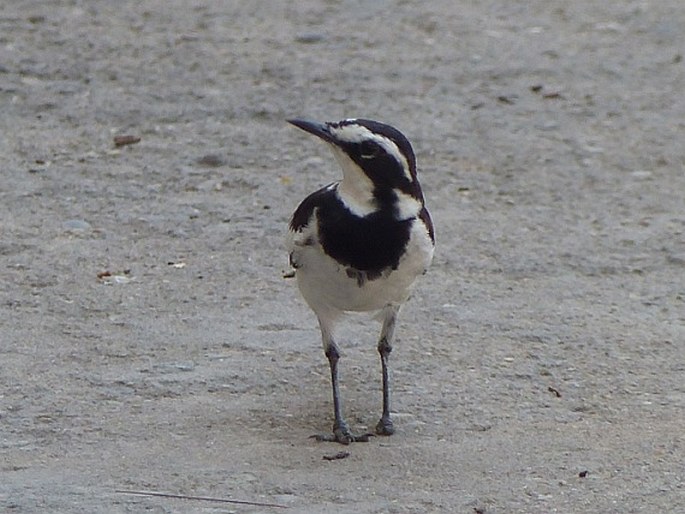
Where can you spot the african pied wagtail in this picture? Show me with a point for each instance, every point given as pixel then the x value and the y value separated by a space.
pixel 360 243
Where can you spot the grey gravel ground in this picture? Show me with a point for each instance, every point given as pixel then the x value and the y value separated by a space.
pixel 149 341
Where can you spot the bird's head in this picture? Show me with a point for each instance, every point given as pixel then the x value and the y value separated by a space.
pixel 378 162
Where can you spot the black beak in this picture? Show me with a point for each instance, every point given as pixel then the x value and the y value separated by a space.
pixel 314 127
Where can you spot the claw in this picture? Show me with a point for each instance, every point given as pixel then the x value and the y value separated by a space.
pixel 385 427
pixel 343 435
pixel 363 438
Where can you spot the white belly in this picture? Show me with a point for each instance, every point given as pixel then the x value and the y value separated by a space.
pixel 327 286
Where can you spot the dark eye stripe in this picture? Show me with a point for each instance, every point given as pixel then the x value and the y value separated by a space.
pixel 369 150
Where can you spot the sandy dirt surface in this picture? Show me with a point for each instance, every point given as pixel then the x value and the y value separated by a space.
pixel 150 342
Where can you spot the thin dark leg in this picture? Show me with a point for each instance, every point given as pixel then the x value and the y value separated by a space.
pixel 341 430
pixel 385 426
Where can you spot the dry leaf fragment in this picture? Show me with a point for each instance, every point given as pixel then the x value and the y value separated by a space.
pixel 125 140
pixel 337 456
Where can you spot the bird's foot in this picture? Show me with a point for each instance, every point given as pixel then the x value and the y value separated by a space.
pixel 385 426
pixel 341 434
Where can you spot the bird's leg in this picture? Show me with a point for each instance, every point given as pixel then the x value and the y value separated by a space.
pixel 385 426
pixel 341 430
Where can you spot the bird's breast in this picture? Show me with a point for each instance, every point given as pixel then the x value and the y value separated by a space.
pixel 327 281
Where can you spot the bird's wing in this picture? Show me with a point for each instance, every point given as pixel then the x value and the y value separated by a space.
pixel 304 212
pixel 303 230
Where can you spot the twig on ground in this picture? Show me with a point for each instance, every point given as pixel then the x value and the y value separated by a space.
pixel 200 498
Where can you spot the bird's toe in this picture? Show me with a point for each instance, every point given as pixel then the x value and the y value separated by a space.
pixel 342 434
pixel 385 427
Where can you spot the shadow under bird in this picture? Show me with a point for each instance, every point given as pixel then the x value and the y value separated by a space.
pixel 359 244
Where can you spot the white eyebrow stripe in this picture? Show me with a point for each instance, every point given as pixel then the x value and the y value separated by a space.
pixel 354 133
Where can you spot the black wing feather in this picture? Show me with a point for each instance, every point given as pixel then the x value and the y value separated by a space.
pixel 304 211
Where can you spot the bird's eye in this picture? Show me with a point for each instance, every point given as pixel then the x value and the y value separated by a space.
pixel 369 150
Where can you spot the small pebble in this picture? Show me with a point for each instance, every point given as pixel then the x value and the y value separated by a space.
pixel 309 37
pixel 641 174
pixel 211 161
pixel 77 225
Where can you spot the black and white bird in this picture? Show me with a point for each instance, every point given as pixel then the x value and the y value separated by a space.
pixel 358 245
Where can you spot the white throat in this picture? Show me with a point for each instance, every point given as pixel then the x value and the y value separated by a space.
pixel 355 189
